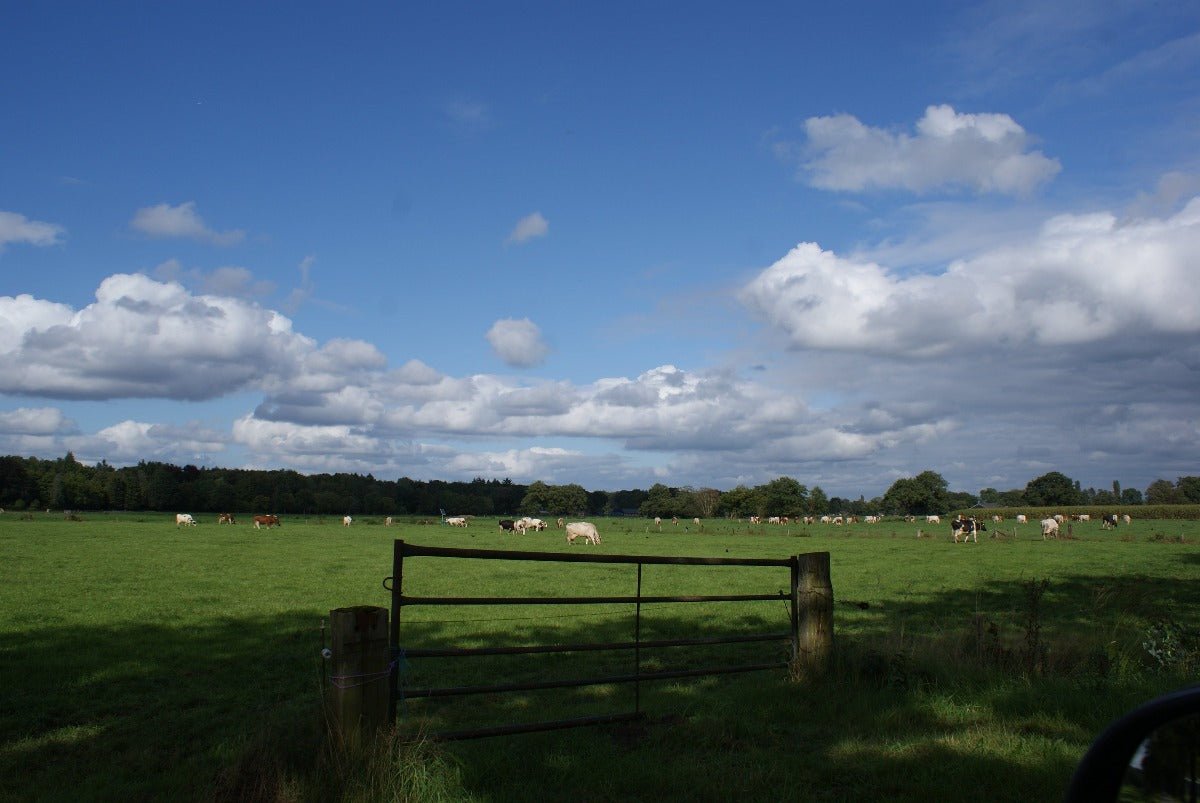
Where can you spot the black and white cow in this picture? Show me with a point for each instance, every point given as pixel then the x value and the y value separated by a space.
pixel 1108 521
pixel 967 528
pixel 507 525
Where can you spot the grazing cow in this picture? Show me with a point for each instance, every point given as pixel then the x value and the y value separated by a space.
pixel 1109 521
pixel 909 519
pixel 582 529
pixel 997 519
pixel 1022 518
pixel 810 519
pixel 387 522
pixel 658 522
pixel 674 519
pixel 184 519
pixel 756 519
pixel 933 519
pixel 347 521
pixel 696 520
pixel 457 521
pixel 826 519
pixel 268 521
pixel 871 520
pixel 507 525
pixel 560 523
pixel 225 518
pixel 968 528
pixel 838 520
pixel 534 524
pixel 1058 517
pixel 1127 518
pixel 1085 517
pixel 1049 528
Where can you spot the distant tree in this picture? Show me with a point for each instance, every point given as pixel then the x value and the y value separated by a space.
pixel 784 497
pixel 739 502
pixel 923 494
pixel 990 497
pixel 1188 489
pixel 1012 498
pixel 707 500
pixel 661 501
pixel 1054 488
pixel 1161 492
pixel 960 500
pixel 1131 496
pixel 818 503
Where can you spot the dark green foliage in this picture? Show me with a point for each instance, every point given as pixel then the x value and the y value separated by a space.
pixel 1054 488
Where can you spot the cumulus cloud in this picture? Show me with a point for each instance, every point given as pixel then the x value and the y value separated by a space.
pixel 518 342
pixel 986 153
pixel 150 339
pixel 528 228
pixel 225 281
pixel 15 228
pixel 164 220
pixel 35 421
pixel 1082 279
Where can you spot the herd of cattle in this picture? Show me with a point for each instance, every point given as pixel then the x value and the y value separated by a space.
pixel 966 528
pixel 962 528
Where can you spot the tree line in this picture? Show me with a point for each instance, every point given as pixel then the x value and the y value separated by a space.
pixel 30 483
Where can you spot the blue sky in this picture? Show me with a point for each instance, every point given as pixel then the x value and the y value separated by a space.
pixel 614 245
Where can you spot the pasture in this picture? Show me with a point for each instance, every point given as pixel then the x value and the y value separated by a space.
pixel 145 661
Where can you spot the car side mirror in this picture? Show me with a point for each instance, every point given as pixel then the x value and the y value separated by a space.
pixel 1153 751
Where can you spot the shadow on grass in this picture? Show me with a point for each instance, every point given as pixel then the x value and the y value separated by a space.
pixel 157 712
pixel 151 711
pixel 882 725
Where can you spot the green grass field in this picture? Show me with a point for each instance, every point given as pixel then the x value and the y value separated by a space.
pixel 141 661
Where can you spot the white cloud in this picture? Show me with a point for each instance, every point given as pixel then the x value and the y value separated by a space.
pixel 143 338
pixel 518 342
pixel 987 153
pixel 528 228
pixel 164 220
pixel 35 421
pixel 1082 279
pixel 15 228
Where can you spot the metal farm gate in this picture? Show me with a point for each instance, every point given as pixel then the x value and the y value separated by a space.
pixel 810 599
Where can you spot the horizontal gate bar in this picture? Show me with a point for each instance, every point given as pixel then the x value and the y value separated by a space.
pixel 403 600
pixel 416 550
pixel 533 727
pixel 455 691
pixel 449 652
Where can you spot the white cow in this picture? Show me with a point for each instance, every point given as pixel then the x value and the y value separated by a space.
pixel 1049 528
pixel 457 521
pixel 756 519
pixel 184 519
pixel 1021 518
pixel 1085 517
pixel 933 519
pixel 346 521
pixel 826 519
pixel 658 522
pixel 1126 518
pixel 582 529
pixel 387 522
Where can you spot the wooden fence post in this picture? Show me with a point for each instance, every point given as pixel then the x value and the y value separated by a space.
pixel 359 671
pixel 814 594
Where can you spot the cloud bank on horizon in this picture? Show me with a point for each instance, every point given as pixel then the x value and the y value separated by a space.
pixel 1053 330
